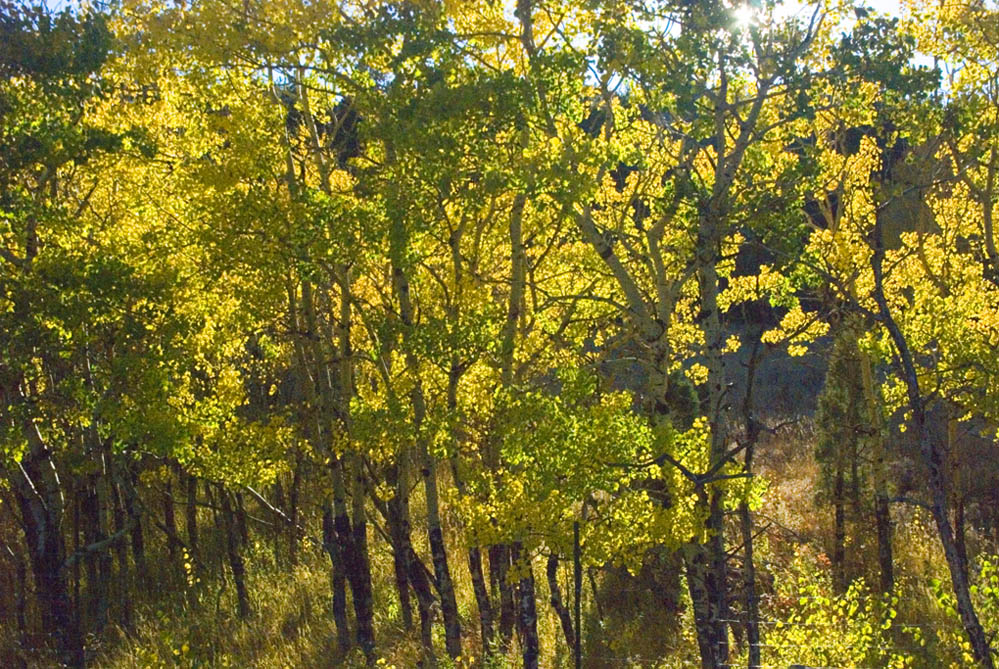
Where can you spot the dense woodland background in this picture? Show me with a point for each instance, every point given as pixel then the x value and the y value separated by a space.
pixel 604 333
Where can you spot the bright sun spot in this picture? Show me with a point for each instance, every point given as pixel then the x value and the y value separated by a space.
pixel 744 16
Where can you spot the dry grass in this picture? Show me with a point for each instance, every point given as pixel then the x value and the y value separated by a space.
pixel 635 625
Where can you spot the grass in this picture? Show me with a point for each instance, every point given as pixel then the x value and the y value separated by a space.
pixel 630 620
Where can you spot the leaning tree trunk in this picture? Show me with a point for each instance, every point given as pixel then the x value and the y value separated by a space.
pixel 410 571
pixel 561 610
pixel 933 461
pixel 419 577
pixel 438 551
pixel 957 492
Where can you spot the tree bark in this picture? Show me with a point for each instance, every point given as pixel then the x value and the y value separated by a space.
pixel 499 567
pixel 716 568
pixel 419 577
pixel 97 578
pixel 749 586
pixel 960 541
pixel 38 492
pixel 527 609
pixel 561 610
pixel 169 516
pixel 293 494
pixel 191 513
pixel 338 579
pixel 481 598
pixel 577 593
pixel 697 567
pixel 128 482
pixel 19 590
pixel 428 462
pixel 123 582
pixel 400 555
pixel 236 564
pixel 932 460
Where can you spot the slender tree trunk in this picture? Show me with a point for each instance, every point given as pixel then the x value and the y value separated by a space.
pixel 839 526
pixel 362 589
pixel 957 492
pixel 95 594
pixel 749 587
pixel 400 555
pixel 338 579
pixel 577 593
pixel 960 542
pixel 527 610
pixel 408 562
pixel 38 493
pixel 933 460
pixel 419 578
pixel 499 567
pixel 969 617
pixel 442 572
pixel 137 540
pixel 169 515
pixel 337 391
pixel 218 564
pixel 241 525
pixel 752 434
pixel 716 568
pixel 354 558
pixel 499 556
pixel 124 579
pixel 561 610
pixel 455 371
pixel 697 568
pixel 191 513
pixel 93 512
pixel 717 578
pixel 886 562
pixel 278 534
pixel 481 598
pixel 293 494
pixel 428 462
pixel 85 604
pixel 236 564
pixel 77 600
pixel 19 590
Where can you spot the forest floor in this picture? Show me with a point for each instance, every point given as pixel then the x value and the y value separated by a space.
pixel 630 620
